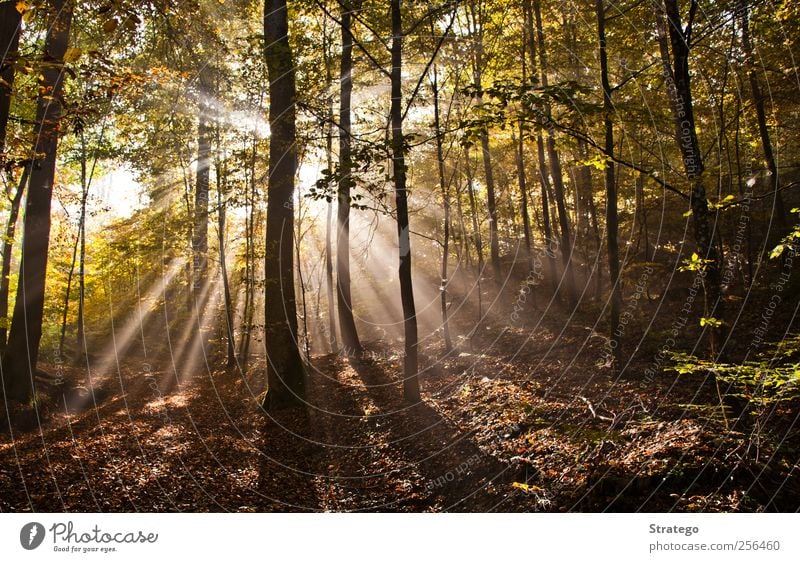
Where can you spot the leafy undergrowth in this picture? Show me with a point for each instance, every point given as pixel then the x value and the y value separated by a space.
pixel 511 424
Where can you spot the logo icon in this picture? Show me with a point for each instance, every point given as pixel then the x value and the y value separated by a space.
pixel 31 536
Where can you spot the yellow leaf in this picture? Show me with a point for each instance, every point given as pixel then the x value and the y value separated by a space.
pixel 526 487
pixel 27 17
pixel 110 25
pixel 22 7
pixel 73 54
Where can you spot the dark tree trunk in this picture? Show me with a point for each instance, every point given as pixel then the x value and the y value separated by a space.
pixel 347 324
pixel 761 118
pixel 491 200
pixel 523 192
pixel 585 174
pixel 494 243
pixel 411 363
pixel 520 161
pixel 329 282
pixel 437 125
pixel 85 181
pixel 332 339
pixel 200 227
pixel 476 232
pixel 612 222
pixel 26 325
pixel 221 176
pixel 555 170
pixel 285 373
pixel 543 176
pixel 8 247
pixel 676 70
pixel 10 19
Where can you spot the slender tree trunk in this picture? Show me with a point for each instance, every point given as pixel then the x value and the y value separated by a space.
pixel 555 170
pixel 477 73
pixel 347 324
pixel 285 373
pixel 411 360
pixel 85 182
pixel 10 19
pixel 445 281
pixel 749 228
pixel 200 230
pixel 543 175
pixel 463 230
pixel 476 232
pixel 612 222
pixel 586 181
pixel 520 161
pixel 301 281
pixel 761 118
pixel 221 177
pixel 523 192
pixel 8 246
pixel 250 256
pixel 329 282
pixel 26 325
pixel 676 69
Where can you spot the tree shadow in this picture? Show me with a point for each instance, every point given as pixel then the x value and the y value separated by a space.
pixel 457 474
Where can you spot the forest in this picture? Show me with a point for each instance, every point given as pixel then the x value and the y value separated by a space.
pixel 375 255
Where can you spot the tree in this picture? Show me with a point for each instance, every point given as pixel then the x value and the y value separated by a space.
pixel 285 373
pixel 440 161
pixel 761 116
pixel 478 12
pixel 555 167
pixel 544 182
pixel 612 222
pixel 411 358
pixel 8 246
pixel 200 226
pixel 675 62
pixel 19 362
pixel 347 325
pixel 10 19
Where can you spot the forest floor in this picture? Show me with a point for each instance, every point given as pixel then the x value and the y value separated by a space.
pixel 512 420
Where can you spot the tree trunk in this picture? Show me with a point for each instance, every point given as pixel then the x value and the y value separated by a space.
pixel 411 363
pixel 491 200
pixel 523 192
pixel 437 125
pixel 200 230
pixel 10 19
pixel 85 181
pixel 612 222
pixel 676 69
pixel 329 283
pixel 285 373
pixel 221 175
pixel 8 247
pixel 476 232
pixel 555 170
pixel 347 324
pixel 520 161
pixel 26 325
pixel 543 176
pixel 761 118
